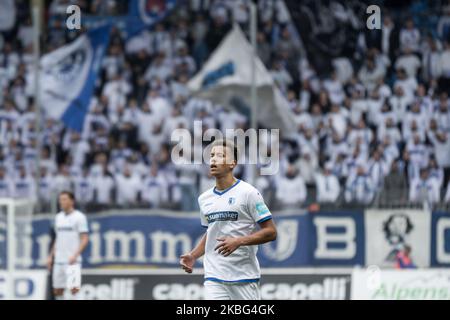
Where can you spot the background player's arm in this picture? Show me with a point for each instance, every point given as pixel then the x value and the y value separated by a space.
pixel 267 233
pixel 187 261
pixel 50 257
pixel 84 240
pixel 51 254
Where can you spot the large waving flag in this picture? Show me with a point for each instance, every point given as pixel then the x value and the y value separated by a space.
pixel 68 77
pixel 226 78
pixel 146 13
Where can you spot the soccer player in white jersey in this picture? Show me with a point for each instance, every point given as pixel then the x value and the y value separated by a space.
pixel 71 239
pixel 231 211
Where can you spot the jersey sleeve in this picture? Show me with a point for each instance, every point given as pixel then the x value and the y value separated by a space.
pixel 257 207
pixel 203 220
pixel 82 225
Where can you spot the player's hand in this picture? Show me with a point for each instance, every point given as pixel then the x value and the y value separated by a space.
pixel 227 245
pixel 73 259
pixel 74 290
pixel 49 263
pixel 187 262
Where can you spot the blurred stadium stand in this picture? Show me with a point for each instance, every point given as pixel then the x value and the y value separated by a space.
pixel 343 83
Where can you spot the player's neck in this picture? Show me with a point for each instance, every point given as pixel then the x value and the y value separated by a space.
pixel 225 182
pixel 69 211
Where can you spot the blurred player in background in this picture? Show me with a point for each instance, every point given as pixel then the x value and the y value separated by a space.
pixel 71 230
pixel 231 212
pixel 403 259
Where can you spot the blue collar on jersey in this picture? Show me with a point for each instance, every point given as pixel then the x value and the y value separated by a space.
pixel 226 190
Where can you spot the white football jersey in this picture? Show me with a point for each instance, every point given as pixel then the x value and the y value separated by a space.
pixel 68 228
pixel 233 212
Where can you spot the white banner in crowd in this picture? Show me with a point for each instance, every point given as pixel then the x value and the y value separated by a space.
pixel 227 75
pixel 7 15
pixel 28 285
pixel 431 284
pixel 389 230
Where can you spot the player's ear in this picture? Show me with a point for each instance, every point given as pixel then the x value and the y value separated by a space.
pixel 233 164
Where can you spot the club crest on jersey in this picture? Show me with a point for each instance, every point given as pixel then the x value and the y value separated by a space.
pixel 231 200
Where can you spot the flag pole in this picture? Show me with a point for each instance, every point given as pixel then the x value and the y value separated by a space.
pixel 253 93
pixel 37 6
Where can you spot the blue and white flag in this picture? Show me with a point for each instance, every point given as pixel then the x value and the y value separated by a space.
pixel 146 13
pixel 226 77
pixel 68 77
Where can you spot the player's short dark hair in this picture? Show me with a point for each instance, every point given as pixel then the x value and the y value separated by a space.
pixel 69 194
pixel 227 144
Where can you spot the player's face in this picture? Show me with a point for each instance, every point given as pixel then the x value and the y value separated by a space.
pixel 221 161
pixel 65 203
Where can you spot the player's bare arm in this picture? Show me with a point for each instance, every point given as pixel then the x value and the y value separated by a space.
pixel 187 260
pixel 267 233
pixel 84 240
pixel 50 257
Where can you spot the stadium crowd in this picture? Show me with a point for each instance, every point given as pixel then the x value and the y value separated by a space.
pixel 374 130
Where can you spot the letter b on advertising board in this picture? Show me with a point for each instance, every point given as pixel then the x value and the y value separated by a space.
pixel 337 239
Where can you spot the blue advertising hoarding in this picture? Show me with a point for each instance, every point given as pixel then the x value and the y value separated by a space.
pixel 157 240
pixel 440 239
